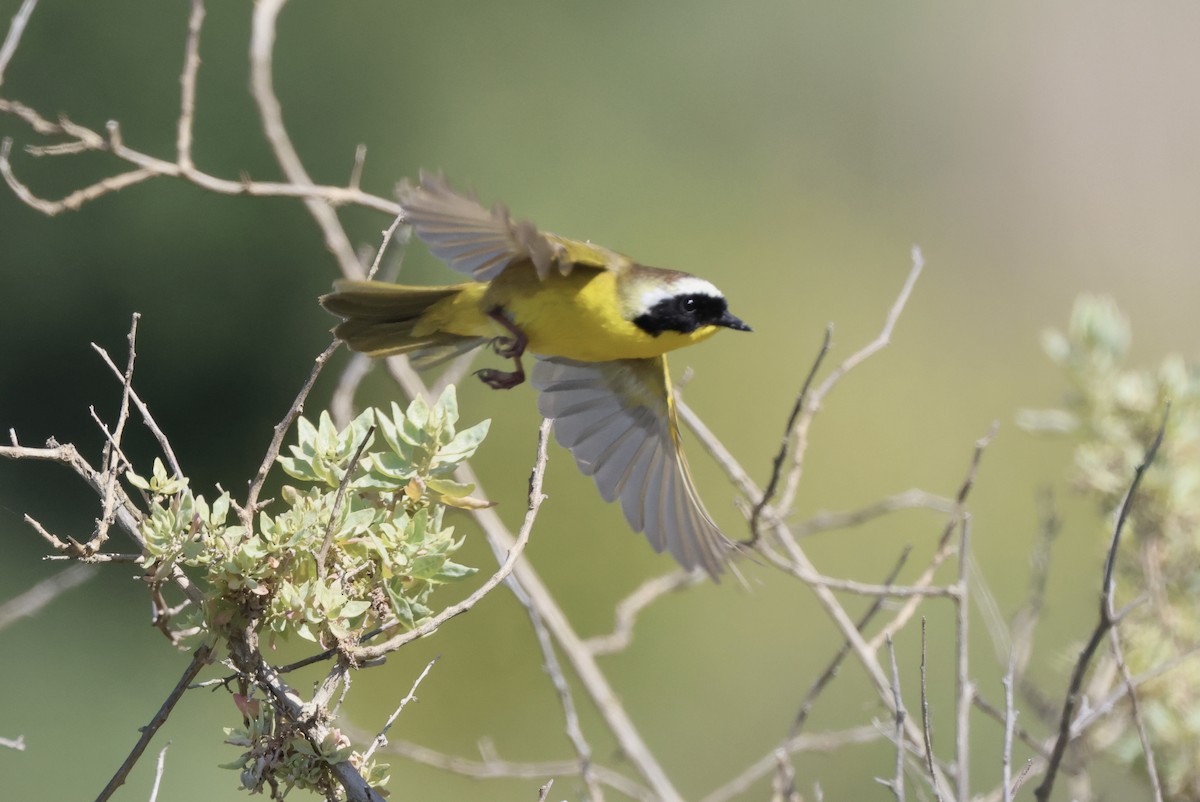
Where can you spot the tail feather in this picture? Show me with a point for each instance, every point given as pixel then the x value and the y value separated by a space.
pixel 380 318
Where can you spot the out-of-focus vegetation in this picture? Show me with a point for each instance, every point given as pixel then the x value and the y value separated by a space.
pixel 1113 411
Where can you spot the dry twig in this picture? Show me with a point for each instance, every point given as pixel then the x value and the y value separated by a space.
pixel 199 659
pixel 37 597
pixel 381 738
pixel 1107 621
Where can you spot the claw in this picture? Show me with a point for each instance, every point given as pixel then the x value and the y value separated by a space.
pixel 501 379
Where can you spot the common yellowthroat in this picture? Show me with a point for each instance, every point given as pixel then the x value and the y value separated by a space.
pixel 599 325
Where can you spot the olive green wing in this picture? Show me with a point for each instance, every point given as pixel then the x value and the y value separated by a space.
pixel 618 420
pixel 481 243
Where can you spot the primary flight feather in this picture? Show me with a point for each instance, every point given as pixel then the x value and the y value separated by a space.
pixel 599 325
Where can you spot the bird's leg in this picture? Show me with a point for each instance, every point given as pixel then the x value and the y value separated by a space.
pixel 509 348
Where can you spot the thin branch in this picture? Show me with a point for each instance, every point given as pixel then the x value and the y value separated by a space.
pixel 629 608
pixel 126 514
pixel 906 500
pixel 926 729
pixel 777 463
pixel 817 398
pixel 187 85
pixel 583 750
pixel 831 670
pixel 1021 733
pixel 15 30
pixel 341 404
pixel 158 772
pixel 1135 708
pixel 16 744
pixel 495 768
pixel 114 456
pixel 1025 621
pixel 964 688
pixel 360 160
pixel 32 601
pixel 76 199
pixel 1010 723
pixel 1043 791
pixel 147 418
pixel 381 738
pixel 944 546
pixel 281 430
pixel 388 234
pixel 262 44
pixel 339 499
pixel 362 654
pixel 199 660
pixel 823 742
pixel 544 791
pixel 897 782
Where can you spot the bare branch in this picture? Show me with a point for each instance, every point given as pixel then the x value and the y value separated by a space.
pixel 339 499
pixel 925 726
pixel 362 654
pixel 823 742
pixel 187 84
pixel 147 418
pixel 262 44
pixel 1043 791
pixel 629 608
pixel 896 784
pixel 15 30
pixel 1135 708
pixel 32 601
pixel 381 738
pixel 16 744
pixel 158 772
pixel 777 464
pixel 831 670
pixel 906 500
pixel 944 546
pixel 76 199
pixel 341 405
pixel 817 397
pixel 1021 733
pixel 574 732
pixel 964 688
pixel 199 660
pixel 388 234
pixel 281 430
pixel 114 456
pixel 493 767
pixel 1010 722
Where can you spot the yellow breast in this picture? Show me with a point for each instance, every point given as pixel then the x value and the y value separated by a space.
pixel 578 316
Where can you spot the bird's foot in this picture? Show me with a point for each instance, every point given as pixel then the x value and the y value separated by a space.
pixel 501 379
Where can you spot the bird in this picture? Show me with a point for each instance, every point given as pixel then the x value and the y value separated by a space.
pixel 599 326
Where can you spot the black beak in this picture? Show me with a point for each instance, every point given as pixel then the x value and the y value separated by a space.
pixel 730 322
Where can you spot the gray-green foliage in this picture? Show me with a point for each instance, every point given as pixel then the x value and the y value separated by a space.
pixel 1114 412
pixel 386 548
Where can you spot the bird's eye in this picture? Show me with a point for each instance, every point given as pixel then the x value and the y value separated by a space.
pixel 688 305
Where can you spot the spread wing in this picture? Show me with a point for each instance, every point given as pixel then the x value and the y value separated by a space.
pixel 618 421
pixel 480 243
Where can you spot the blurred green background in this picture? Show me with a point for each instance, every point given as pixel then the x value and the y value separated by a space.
pixel 791 152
